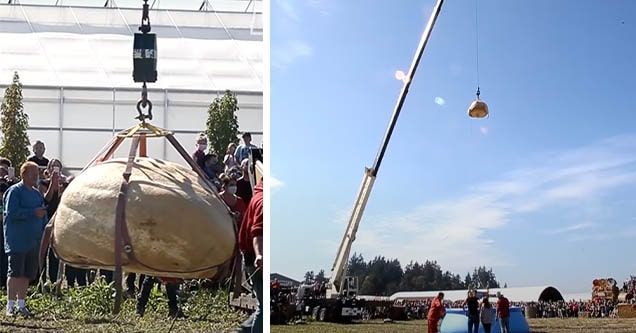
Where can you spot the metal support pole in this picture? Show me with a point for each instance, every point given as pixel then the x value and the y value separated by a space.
pixel 60 142
pixel 407 84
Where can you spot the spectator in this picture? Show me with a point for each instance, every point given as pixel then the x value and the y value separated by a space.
pixel 5 162
pixel 199 154
pixel 485 314
pixel 251 246
pixel 229 160
pixel 228 194
pixel 38 157
pixel 243 184
pixel 51 189
pixel 435 313
pixel 130 283
pixel 24 221
pixel 503 312
pixel 10 177
pixel 211 163
pixel 4 185
pixel 473 312
pixel 274 288
pixel 243 151
pixel 172 286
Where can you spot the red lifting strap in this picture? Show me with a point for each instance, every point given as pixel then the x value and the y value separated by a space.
pixel 122 238
pixel 46 239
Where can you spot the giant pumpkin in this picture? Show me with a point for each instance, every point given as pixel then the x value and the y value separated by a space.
pixel 178 227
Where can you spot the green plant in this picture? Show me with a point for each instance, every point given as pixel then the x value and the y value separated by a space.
pixel 222 123
pixel 94 301
pixel 89 309
pixel 15 140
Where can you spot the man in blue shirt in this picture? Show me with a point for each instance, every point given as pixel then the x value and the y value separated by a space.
pixel 243 151
pixel 24 221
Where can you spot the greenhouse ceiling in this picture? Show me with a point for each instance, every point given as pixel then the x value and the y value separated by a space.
pixel 67 46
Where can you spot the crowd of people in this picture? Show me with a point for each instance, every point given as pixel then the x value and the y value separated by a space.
pixel 31 195
pixel 629 288
pixel 478 312
pixel 234 188
pixel 423 309
pixel 544 309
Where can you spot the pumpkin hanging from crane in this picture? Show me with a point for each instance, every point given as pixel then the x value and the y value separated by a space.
pixel 478 108
pixel 176 225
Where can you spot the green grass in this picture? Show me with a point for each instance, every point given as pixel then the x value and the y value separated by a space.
pixel 89 309
pixel 551 325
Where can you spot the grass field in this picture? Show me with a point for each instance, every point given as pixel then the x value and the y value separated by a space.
pixel 551 325
pixel 220 319
pixel 123 324
pixel 127 321
pixel 89 309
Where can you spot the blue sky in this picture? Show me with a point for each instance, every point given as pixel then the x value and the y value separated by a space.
pixel 542 191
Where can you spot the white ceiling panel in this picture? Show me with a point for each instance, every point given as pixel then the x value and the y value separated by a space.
pixel 71 46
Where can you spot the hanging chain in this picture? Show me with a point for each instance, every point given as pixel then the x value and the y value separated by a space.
pixel 477 43
pixel 144 101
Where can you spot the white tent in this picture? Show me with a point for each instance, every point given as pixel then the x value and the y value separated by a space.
pixel 521 294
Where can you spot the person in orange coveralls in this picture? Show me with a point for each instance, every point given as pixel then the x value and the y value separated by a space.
pixel 436 312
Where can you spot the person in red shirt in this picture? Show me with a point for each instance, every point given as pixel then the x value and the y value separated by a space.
pixel 503 313
pixel 251 246
pixel 436 312
pixel 274 288
pixel 275 284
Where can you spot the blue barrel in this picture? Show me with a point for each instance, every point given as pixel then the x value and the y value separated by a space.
pixel 456 321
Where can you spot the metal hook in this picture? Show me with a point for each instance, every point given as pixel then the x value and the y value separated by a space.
pixel 142 117
pixel 145 19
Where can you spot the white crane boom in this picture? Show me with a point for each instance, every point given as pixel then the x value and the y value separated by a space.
pixel 339 268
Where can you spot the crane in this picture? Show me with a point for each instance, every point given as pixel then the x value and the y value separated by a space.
pixel 341 301
pixel 340 285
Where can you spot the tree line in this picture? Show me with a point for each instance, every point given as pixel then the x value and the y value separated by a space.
pixel 383 277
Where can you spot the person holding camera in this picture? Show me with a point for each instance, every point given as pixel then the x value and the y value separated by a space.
pixel 24 220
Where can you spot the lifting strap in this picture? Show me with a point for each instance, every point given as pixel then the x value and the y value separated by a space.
pixel 46 239
pixel 122 238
